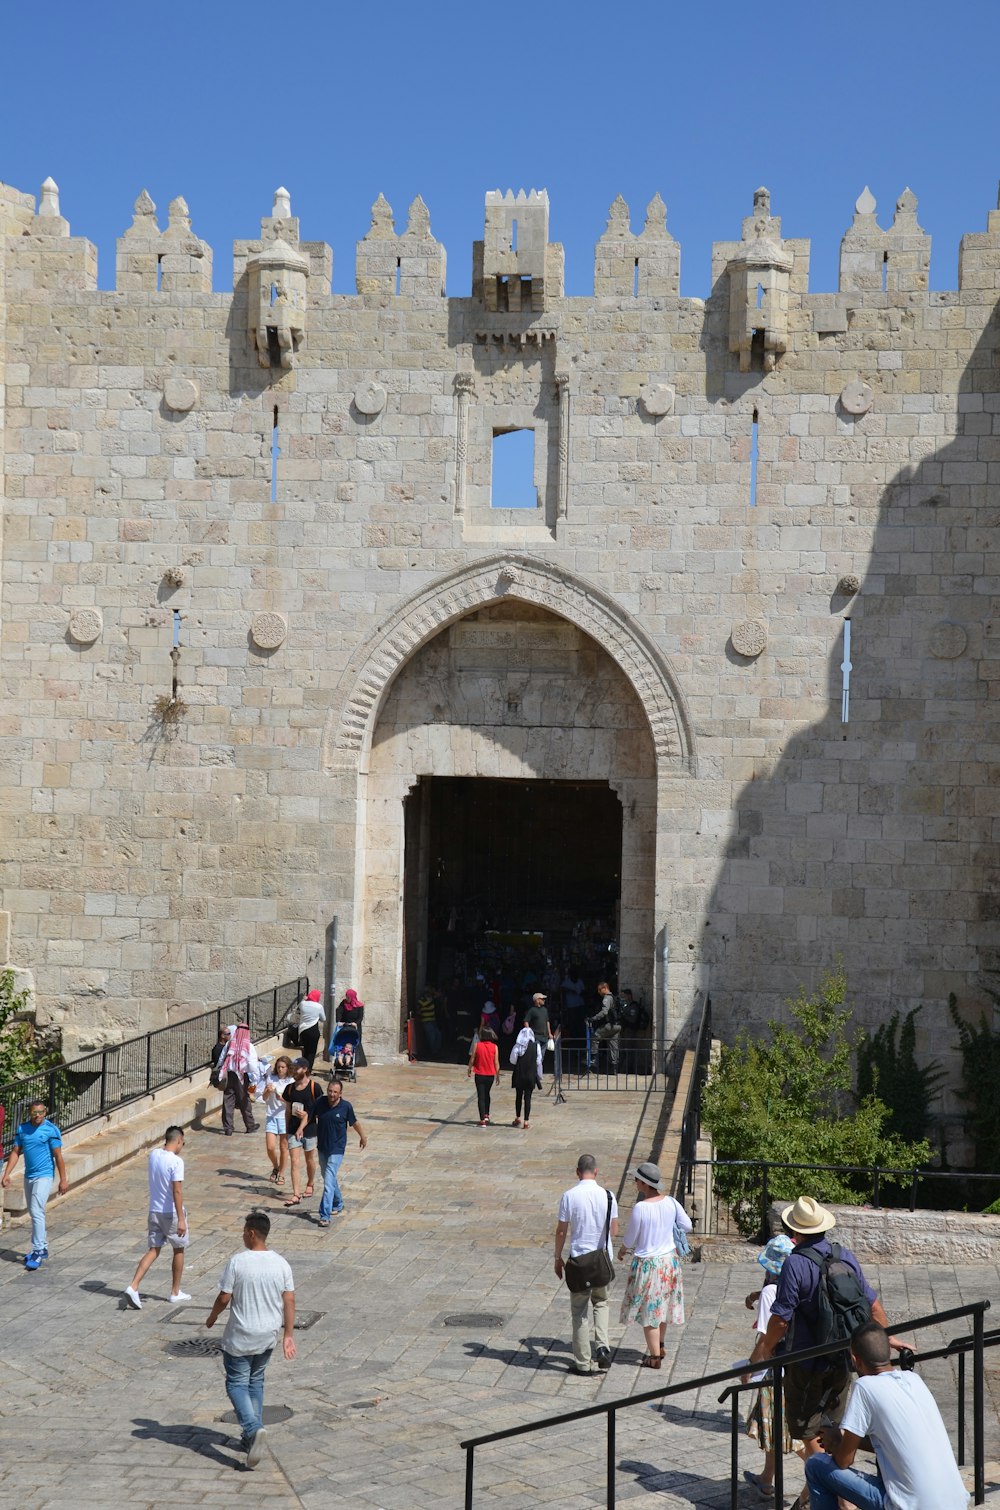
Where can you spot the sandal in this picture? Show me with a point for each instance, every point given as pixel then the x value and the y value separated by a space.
pixel 273 1177
pixel 649 1361
pixel 308 1190
pixel 296 1200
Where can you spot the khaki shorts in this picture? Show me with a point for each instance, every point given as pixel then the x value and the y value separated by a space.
pixel 813 1396
pixel 163 1229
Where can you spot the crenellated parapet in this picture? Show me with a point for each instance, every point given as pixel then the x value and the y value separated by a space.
pixel 412 265
pixel 895 261
pixel 174 261
pixel 46 255
pixel 515 267
pixel 647 266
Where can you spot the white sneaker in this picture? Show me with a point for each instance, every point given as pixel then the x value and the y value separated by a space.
pixel 256 1449
pixel 175 1300
pixel 134 1298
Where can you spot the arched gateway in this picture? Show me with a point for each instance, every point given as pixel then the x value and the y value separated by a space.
pixel 502 741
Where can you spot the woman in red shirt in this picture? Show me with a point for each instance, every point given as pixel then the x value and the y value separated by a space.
pixel 484 1063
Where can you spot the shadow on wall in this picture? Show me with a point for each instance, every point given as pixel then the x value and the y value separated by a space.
pixel 875 840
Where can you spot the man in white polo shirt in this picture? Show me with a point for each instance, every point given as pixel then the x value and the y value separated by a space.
pixel 585 1217
pixel 896 1412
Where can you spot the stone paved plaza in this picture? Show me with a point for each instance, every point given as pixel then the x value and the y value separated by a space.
pixel 103 1406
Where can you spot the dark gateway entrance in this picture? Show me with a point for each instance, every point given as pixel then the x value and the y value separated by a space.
pixel 508 881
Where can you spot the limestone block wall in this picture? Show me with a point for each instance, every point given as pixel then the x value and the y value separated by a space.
pixel 182 827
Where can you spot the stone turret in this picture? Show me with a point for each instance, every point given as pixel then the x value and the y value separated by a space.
pixel 896 260
pixel 759 278
pixel 277 297
pixel 515 267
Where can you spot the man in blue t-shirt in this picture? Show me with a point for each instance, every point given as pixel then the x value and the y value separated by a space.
pixel 40 1141
pixel 334 1116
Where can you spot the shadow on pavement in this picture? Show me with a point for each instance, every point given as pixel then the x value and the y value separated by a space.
pixel 707 1493
pixel 702 1420
pixel 203 1440
pixel 530 1352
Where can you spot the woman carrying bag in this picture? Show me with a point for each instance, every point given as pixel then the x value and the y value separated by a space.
pixel 526 1057
pixel 654 1294
pixel 310 1017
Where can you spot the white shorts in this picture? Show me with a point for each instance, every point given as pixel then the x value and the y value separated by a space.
pixel 163 1229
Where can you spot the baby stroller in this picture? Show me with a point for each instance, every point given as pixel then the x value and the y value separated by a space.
pixel 344 1050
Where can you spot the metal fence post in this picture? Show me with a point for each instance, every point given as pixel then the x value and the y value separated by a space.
pixel 734 1452
pixel 470 1472
pixel 961 1410
pixel 149 1061
pixel 779 1434
pixel 765 1202
pixel 611 1460
pixel 876 1201
pixel 978 1418
pixel 104 1078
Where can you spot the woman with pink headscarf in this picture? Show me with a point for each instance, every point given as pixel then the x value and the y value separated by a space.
pixel 310 1017
pixel 351 1009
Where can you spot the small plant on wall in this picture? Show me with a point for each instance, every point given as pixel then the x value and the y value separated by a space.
pixel 168 710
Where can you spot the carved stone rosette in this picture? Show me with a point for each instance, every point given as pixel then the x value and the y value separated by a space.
pixel 562 494
pixel 465 387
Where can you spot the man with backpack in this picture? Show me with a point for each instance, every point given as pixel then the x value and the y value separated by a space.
pixel 822 1296
pixel 605 1025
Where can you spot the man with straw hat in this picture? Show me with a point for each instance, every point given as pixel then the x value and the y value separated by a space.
pixel 816 1389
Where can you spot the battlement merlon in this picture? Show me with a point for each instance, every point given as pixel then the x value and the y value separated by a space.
pixel 515 266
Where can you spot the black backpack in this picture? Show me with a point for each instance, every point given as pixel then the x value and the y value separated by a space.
pixel 525 1074
pixel 842 1305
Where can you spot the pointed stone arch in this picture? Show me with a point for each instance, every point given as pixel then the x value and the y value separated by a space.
pixel 508 576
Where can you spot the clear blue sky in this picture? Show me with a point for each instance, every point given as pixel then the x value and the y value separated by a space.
pixel 221 102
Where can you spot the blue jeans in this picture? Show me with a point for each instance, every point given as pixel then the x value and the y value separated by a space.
pixel 332 1200
pixel 826 1481
pixel 245 1388
pixel 36 1193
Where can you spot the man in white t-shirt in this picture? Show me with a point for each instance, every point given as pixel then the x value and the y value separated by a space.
pixel 584 1219
pixel 167 1222
pixel 896 1412
pixel 258 1288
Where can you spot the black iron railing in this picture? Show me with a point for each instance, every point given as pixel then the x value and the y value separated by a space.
pixel 776 1368
pixel 592 1063
pixel 99 1083
pixel 740 1204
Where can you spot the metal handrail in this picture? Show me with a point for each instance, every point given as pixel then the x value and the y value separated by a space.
pixel 777 1365
pixel 877 1172
pixel 98 1083
pixel 691 1124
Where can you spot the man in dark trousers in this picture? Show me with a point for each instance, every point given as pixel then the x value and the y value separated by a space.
pixel 815 1390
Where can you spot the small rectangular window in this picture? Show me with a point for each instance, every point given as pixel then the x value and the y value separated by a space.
pixel 513 235
pixel 399 273
pixel 512 480
pixel 845 675
pixel 753 461
pixel 275 453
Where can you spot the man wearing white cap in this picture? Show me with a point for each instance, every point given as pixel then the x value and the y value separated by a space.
pixel 815 1390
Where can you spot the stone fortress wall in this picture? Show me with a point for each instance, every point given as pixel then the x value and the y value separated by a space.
pixel 213 662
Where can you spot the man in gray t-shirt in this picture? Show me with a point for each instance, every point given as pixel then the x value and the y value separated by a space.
pixel 258 1288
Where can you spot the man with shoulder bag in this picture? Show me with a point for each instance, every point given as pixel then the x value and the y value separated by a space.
pixel 588 1216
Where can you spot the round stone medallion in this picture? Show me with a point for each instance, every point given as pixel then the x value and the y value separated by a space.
pixel 947 641
pixel 749 638
pixel 658 399
pixel 85 625
pixel 180 394
pixel 268 630
pixel 849 585
pixel 857 397
pixel 369 398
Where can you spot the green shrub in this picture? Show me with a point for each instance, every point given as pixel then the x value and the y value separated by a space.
pixel 20 1053
pixel 789 1099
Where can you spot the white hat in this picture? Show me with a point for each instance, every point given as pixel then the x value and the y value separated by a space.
pixel 808 1217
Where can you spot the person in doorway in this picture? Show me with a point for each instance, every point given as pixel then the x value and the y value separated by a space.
pixel 276 1125
pixel 258 1288
pixel 236 1071
pixel 334 1116
pixel 604 1024
pixel 573 1001
pixel 311 1018
pixel 654 1294
pixel 526 1058
pixel 40 1141
pixel 167 1222
pixel 301 1099
pixel 484 1064
pixel 537 1018
pixel 583 1217
pixel 897 1413
pixel 430 1033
